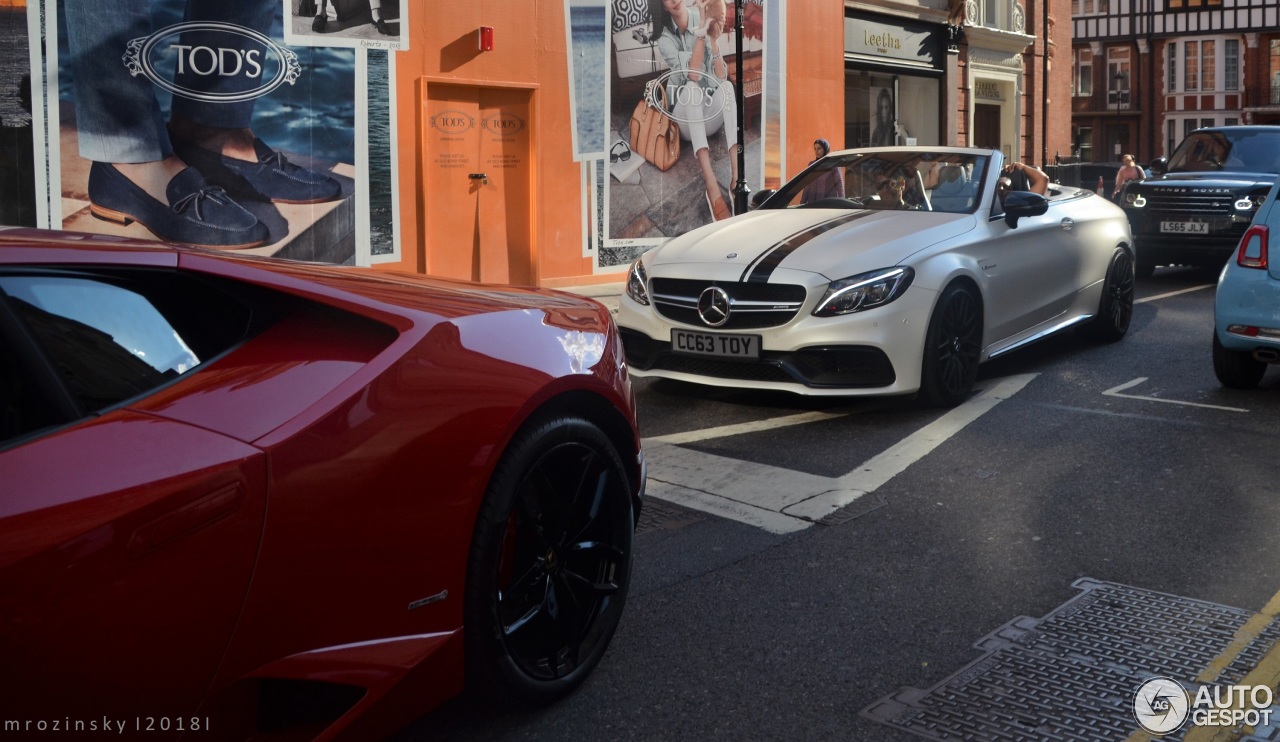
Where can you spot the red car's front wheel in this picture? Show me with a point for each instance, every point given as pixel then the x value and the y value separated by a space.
pixel 550 562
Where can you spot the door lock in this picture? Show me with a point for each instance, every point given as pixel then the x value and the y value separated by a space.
pixel 482 177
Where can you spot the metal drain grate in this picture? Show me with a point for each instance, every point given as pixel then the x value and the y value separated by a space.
pixel 1072 674
pixel 656 514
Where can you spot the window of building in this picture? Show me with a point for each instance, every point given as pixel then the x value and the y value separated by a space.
pixel 1083 77
pixel 1173 67
pixel 1171 137
pixel 1090 7
pixel 1208 65
pixel 1188 126
pixel 1275 72
pixel 1231 64
pixel 1118 77
pixel 1204 123
pixel 1084 143
pixel 1231 121
pixel 1191 66
pixel 916 102
pixel 992 15
pixel 1183 4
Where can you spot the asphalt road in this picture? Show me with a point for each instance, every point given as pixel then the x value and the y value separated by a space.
pixel 736 629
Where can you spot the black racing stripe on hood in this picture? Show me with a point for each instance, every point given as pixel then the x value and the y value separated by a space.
pixel 762 267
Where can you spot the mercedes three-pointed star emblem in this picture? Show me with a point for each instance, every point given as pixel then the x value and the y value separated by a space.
pixel 713 306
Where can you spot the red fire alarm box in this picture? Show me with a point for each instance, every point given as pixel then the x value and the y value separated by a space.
pixel 486 38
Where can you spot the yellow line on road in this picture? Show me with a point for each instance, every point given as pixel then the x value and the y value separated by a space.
pixel 1267 673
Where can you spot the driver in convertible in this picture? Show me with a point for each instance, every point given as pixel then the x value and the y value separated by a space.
pixel 891 190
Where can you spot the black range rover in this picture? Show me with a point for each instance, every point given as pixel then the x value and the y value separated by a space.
pixel 1198 203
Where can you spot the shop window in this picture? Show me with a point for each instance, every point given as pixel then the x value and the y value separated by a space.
pixel 914 98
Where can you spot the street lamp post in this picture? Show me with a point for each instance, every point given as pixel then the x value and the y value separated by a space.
pixel 1119 79
pixel 740 189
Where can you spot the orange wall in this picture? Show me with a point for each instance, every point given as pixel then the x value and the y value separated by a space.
pixel 815 79
pixel 529 52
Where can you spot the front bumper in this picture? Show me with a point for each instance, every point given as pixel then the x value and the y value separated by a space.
pixel 874 352
pixel 1161 248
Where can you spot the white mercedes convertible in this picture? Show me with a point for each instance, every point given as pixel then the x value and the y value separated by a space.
pixel 924 269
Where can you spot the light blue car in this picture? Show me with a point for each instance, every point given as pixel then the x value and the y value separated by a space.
pixel 1246 335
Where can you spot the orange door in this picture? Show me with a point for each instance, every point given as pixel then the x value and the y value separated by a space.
pixel 477 184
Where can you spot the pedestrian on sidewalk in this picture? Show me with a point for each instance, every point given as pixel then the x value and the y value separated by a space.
pixel 1129 170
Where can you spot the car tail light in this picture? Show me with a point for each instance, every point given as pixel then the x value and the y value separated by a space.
pixel 1253 248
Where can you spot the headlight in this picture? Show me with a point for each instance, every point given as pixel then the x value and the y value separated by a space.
pixel 1244 203
pixel 864 291
pixel 638 283
pixel 1133 199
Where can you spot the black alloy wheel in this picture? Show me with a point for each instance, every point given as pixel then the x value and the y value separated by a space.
pixel 550 563
pixel 1115 309
pixel 952 347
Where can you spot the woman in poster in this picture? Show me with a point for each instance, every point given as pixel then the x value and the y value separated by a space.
pixel 688 43
pixel 882 126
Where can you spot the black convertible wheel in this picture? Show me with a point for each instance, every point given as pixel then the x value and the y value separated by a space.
pixel 952 347
pixel 1115 310
pixel 550 563
pixel 1235 368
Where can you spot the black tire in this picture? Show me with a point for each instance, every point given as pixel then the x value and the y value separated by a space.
pixel 550 563
pixel 1115 310
pixel 1236 368
pixel 952 347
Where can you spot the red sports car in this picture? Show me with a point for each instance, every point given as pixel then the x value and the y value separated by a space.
pixel 242 497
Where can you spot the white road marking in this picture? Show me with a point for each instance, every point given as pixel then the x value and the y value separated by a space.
pixel 755 426
pixel 769 520
pixel 1173 293
pixel 783 500
pixel 1115 392
pixel 880 469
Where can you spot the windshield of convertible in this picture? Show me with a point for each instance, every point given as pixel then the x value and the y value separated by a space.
pixel 905 180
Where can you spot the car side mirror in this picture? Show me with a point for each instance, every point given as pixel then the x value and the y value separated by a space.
pixel 1019 204
pixel 759 197
pixel 1160 166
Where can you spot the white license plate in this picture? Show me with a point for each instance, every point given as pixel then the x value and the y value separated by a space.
pixel 1185 227
pixel 720 346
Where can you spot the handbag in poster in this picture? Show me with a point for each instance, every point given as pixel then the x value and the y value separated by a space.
pixel 654 135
